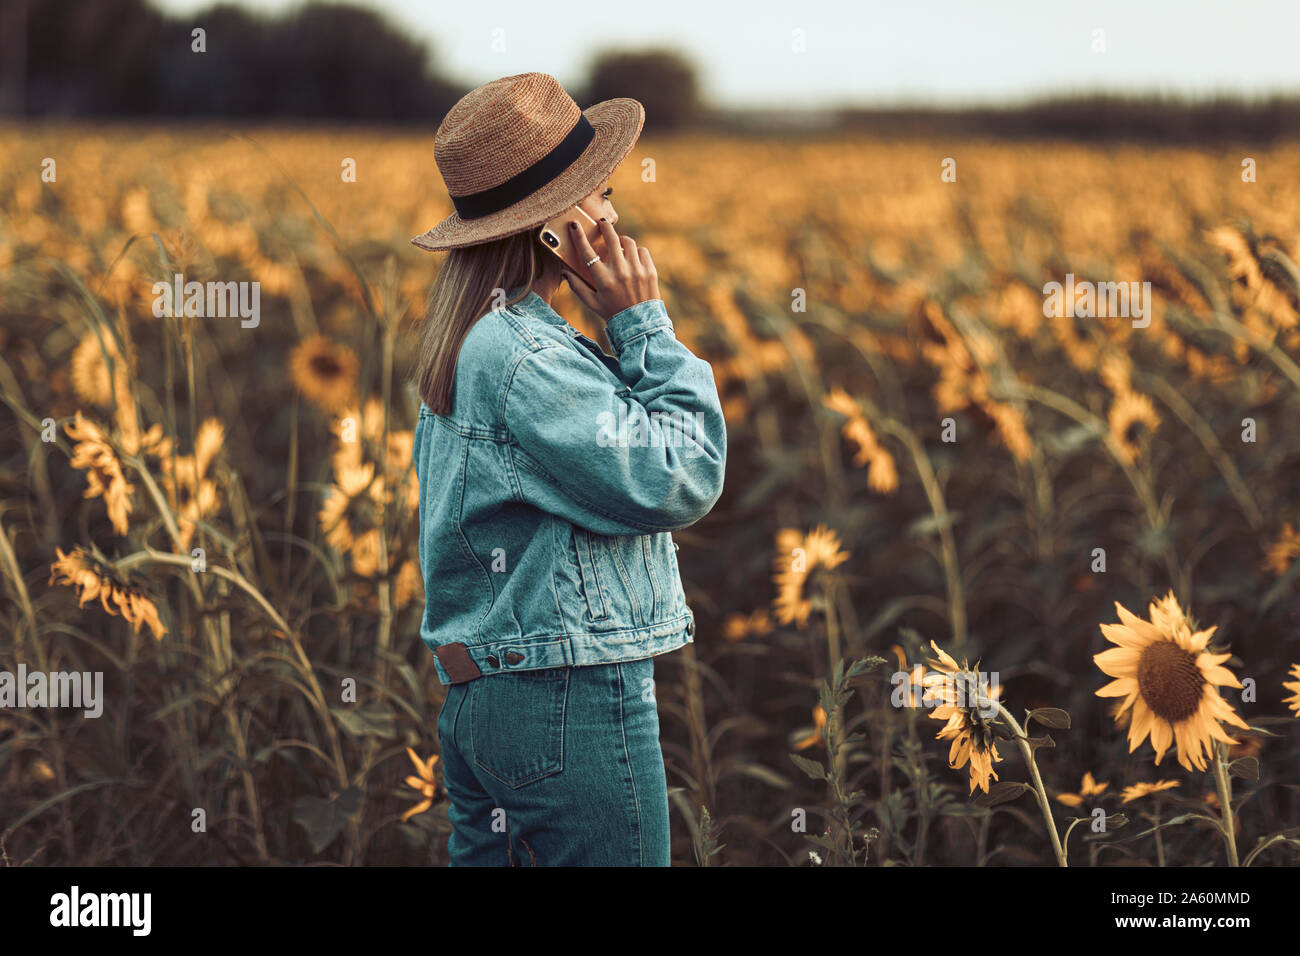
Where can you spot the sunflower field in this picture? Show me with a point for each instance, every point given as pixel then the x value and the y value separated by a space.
pixel 989 584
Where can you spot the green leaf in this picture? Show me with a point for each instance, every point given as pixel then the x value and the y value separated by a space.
pixel 323 818
pixel 810 767
pixel 1001 793
pixel 759 772
pixel 864 665
pixel 1052 717
pixel 366 720
pixel 931 524
pixel 823 842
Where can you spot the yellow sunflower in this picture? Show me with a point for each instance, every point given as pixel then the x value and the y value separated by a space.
pixel 90 377
pixel 882 475
pixel 1165 674
pixel 970 731
pixel 814 738
pixel 424 783
pixel 738 625
pixel 795 558
pixel 1145 789
pixel 94 578
pixel 1283 551
pixel 1128 414
pixel 913 681
pixel 325 372
pixel 1294 700
pixel 104 477
pixel 1088 788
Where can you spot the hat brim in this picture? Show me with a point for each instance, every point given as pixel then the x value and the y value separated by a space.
pixel 617 123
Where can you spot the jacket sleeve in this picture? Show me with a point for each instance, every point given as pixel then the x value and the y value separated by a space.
pixel 643 455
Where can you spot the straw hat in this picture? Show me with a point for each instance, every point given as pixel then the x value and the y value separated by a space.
pixel 518 151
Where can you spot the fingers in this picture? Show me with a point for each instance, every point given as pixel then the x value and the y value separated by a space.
pixel 581 243
pixel 612 243
pixel 579 288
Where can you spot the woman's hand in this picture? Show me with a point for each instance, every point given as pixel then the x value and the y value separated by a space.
pixel 624 276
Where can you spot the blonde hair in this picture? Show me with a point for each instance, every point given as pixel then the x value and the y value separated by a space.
pixel 461 294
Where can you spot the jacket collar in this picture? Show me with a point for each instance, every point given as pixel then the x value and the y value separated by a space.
pixel 537 307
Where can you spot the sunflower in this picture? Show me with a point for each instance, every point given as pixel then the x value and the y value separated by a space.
pixel 325 371
pixel 95 578
pixel 738 626
pixel 1165 674
pixel 1088 788
pixel 1115 369
pixel 1283 551
pixel 814 738
pixel 970 731
pixel 1132 793
pixel 1293 701
pixel 104 478
pixel 1010 422
pixel 913 682
pixel 408 584
pixel 351 514
pixel 424 783
pixel 795 558
pixel 1129 411
pixel 185 478
pixel 90 377
pixel 882 475
pixel 359 432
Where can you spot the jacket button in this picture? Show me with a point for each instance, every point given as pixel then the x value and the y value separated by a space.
pixel 690 626
pixel 514 658
pixel 492 659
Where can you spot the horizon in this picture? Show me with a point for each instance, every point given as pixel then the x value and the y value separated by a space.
pixel 1022 52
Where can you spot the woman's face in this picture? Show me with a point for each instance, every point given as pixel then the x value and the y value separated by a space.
pixel 597 203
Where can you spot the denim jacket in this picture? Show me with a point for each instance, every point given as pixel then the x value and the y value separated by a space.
pixel 548 496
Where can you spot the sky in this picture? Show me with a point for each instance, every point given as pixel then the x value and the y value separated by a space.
pixel 867 52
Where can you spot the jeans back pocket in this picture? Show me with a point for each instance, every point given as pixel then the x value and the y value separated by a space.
pixel 517 724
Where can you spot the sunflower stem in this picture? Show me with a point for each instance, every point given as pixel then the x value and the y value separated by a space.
pixel 1225 800
pixel 1160 843
pixel 1028 752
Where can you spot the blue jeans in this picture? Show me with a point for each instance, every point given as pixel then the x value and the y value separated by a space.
pixel 556 767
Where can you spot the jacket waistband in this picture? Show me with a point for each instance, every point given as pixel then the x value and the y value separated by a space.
pixel 466 662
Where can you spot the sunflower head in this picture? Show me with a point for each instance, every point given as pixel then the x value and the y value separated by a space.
pixel 794 560
pixel 93 577
pixel 325 372
pixel 1138 790
pixel 1089 787
pixel 1168 681
pixel 1294 685
pixel 1283 551
pixel 423 782
pixel 959 690
pixel 1133 420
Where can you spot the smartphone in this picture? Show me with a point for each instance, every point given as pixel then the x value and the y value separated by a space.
pixel 556 236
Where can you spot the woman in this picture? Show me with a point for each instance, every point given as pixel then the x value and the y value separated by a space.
pixel 551 475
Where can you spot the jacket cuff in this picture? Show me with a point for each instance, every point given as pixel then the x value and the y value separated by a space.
pixel 637 320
